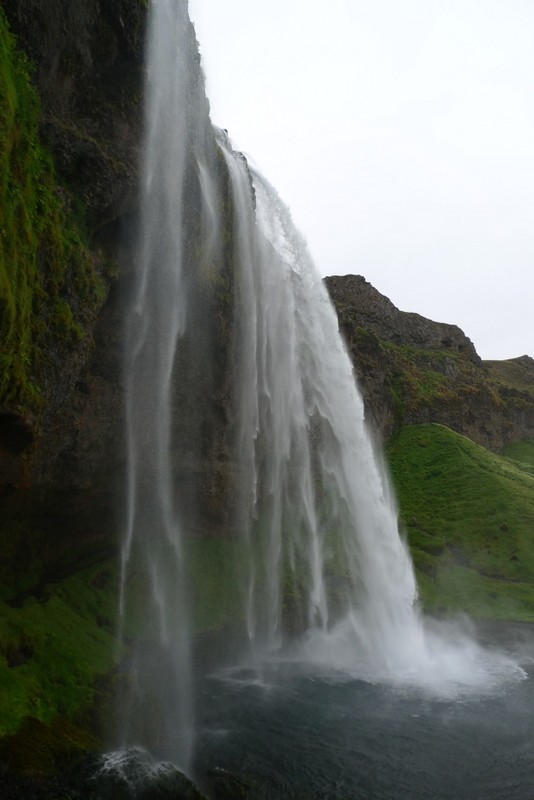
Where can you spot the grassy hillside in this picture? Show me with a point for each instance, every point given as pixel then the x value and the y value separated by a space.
pixel 469 518
pixel 522 453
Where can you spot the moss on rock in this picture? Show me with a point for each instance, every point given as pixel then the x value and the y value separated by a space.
pixel 49 284
pixel 54 646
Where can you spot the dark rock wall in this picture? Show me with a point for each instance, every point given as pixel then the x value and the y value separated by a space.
pixel 86 61
pixel 88 57
pixel 87 64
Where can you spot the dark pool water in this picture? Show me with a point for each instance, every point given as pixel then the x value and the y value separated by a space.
pixel 312 734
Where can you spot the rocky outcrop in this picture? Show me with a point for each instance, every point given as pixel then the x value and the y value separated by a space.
pixel 413 370
pixel 356 299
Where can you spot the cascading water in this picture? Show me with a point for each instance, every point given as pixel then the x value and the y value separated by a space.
pixel 315 505
pixel 310 510
pixel 153 593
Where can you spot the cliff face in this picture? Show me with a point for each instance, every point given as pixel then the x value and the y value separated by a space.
pixel 413 370
pixel 85 60
pixel 62 450
pixel 87 57
pixel 70 130
pixel 70 89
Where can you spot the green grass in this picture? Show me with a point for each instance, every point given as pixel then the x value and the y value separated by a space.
pixel 469 518
pixel 522 453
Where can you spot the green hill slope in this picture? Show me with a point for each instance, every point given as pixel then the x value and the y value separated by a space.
pixel 522 453
pixel 469 518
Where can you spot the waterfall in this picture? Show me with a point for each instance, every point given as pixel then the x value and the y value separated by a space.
pixel 315 505
pixel 153 595
pixel 310 506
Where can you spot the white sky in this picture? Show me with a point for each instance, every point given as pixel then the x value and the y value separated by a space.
pixel 401 135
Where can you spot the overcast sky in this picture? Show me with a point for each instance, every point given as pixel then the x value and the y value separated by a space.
pixel 401 135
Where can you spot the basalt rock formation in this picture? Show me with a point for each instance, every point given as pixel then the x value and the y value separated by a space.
pixel 413 370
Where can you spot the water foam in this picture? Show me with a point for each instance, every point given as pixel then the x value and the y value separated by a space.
pixel 446 661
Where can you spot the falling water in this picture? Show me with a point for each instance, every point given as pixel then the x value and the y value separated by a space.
pixel 315 508
pixel 315 505
pixel 309 504
pixel 153 598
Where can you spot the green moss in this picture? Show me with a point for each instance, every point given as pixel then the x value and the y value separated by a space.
pixel 65 320
pixel 39 749
pixel 53 647
pixel 58 638
pixel 469 516
pixel 420 376
pixel 510 374
pixel 44 258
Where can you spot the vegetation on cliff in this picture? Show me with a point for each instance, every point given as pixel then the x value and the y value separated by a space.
pixel 54 645
pixel 48 280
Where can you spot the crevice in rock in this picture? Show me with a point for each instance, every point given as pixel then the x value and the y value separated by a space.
pixel 16 434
